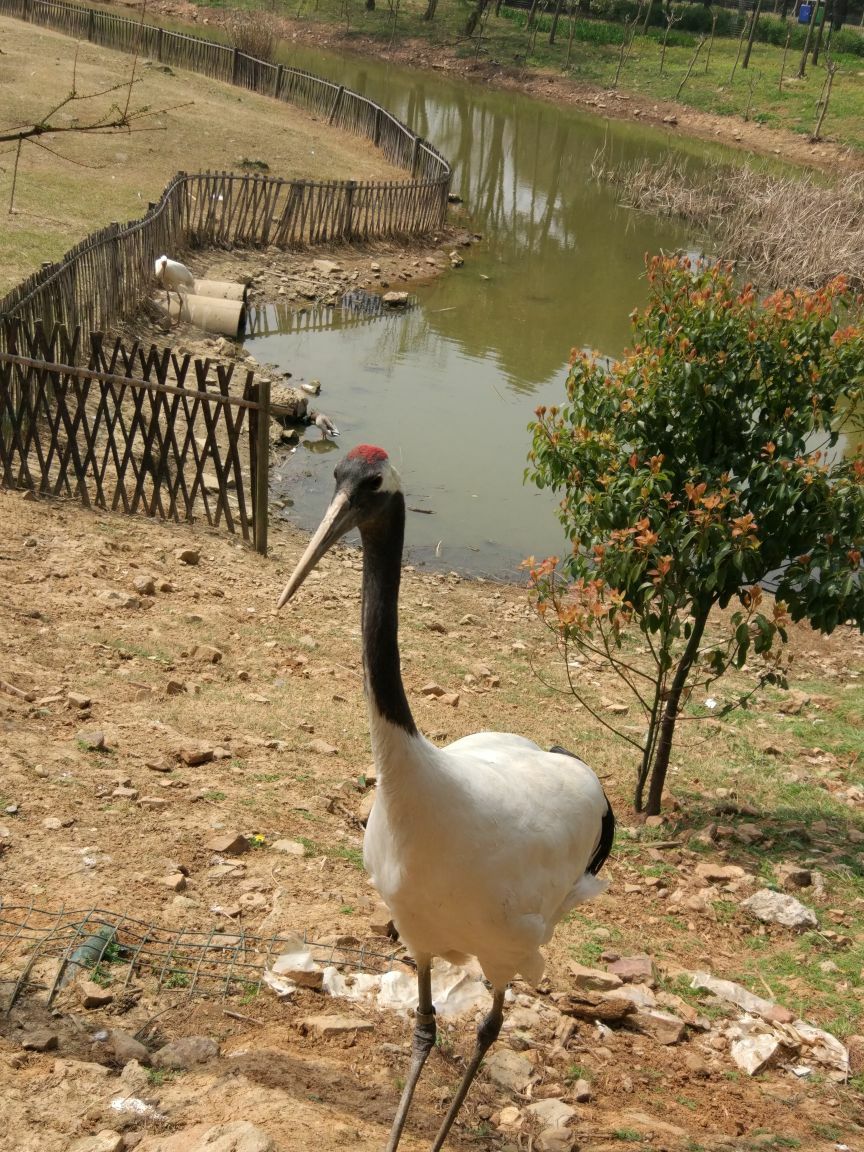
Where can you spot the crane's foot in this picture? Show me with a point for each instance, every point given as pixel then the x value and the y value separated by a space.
pixel 487 1034
pixel 424 1040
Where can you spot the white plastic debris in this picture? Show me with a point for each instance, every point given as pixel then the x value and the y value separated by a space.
pixel 456 989
pixel 823 1047
pixel 137 1107
pixel 734 993
pixel 754 1052
pixel 711 703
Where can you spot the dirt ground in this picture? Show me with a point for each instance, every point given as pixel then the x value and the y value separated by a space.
pixel 200 657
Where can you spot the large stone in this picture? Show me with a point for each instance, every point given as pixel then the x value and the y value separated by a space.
pixel 335 1025
pixel 125 1048
pixel 289 847
pixel 553 1116
pixel 105 1141
pixel 713 873
pixel 186 1052
pixel 780 908
pixel 633 969
pixel 39 1040
pixel 228 844
pixel 93 995
pixel 660 1026
pixel 233 1136
pixel 593 979
pixel 509 1069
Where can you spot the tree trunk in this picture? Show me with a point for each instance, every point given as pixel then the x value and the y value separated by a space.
pixel 669 719
pixel 430 10
pixel 554 28
pixel 821 32
pixel 752 35
pixel 475 16
pixel 802 68
pixel 841 10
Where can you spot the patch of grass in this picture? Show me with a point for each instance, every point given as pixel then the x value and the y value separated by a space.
pixel 576 1072
pixel 214 795
pixel 629 1135
pixel 159 1076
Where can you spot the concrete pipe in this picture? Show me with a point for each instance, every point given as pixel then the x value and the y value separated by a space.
pixel 221 289
pixel 223 316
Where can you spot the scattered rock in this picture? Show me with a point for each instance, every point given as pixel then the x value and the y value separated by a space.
pixel 593 979
pixel 93 741
pixel 633 969
pixel 581 1091
pixel 794 876
pixel 39 1040
pixel 186 1052
pixel 152 802
pixel 335 1025
pixel 105 1141
pixel 553 1116
pixel 78 700
pixel 510 1069
pixel 125 1048
pixel 364 809
pixel 188 555
pixel 322 748
pixel 176 882
pixel 174 688
pixel 793 703
pixel 233 1136
pixel 93 995
pixel 194 753
pixel 206 653
pixel 114 599
pixel 779 908
pixel 433 689
pixel 228 844
pixel 660 1026
pixel 144 585
pixel 713 873
pixel 451 699
pixel 396 299
pixel 124 793
pixel 289 847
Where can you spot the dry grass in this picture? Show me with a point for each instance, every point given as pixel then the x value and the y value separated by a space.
pixel 86 181
pixel 786 231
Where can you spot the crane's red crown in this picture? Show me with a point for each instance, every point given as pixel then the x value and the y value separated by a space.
pixel 369 453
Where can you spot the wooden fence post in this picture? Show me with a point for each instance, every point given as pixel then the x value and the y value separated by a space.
pixel 262 466
pixel 235 65
pixel 347 230
pixel 415 155
pixel 277 83
pixel 337 100
pixel 91 19
pixel 159 45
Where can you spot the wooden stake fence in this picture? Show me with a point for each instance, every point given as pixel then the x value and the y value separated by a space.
pixel 139 430
pixel 107 274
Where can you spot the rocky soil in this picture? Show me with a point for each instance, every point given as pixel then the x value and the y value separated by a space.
pixel 176 754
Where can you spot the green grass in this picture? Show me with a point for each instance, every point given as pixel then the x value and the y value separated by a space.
pixel 595 54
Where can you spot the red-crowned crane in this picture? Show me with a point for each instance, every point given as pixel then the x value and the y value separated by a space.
pixel 171 274
pixel 478 848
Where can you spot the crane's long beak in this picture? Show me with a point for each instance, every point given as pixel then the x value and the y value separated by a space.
pixel 339 518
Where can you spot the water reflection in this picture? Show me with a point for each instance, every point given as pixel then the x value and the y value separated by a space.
pixel 449 387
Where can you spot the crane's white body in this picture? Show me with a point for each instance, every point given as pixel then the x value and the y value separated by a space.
pixel 481 847
pixel 173 275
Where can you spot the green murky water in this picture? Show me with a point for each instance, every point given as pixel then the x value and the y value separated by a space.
pixel 448 388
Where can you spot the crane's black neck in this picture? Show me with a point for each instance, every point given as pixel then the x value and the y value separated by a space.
pixel 382 571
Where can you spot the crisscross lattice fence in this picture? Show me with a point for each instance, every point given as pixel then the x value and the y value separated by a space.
pixel 138 430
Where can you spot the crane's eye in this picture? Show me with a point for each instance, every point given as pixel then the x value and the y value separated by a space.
pixel 371 483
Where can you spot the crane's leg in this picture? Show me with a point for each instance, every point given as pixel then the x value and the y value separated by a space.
pixel 487 1034
pixel 424 1039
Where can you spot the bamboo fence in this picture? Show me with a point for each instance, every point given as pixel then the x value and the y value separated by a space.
pixel 139 430
pixel 107 274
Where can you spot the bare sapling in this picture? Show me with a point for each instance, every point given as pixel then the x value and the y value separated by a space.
pixel 671 20
pixel 626 44
pixel 825 96
pixel 751 85
pixel 710 43
pixel 690 69
pixel 571 33
pixel 737 54
pixel 783 61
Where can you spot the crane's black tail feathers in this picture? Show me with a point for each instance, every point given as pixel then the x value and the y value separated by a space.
pixel 607 828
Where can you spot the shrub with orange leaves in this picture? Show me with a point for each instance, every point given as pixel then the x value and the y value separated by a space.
pixel 710 462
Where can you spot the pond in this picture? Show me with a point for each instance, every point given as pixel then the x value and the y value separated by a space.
pixel 449 387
